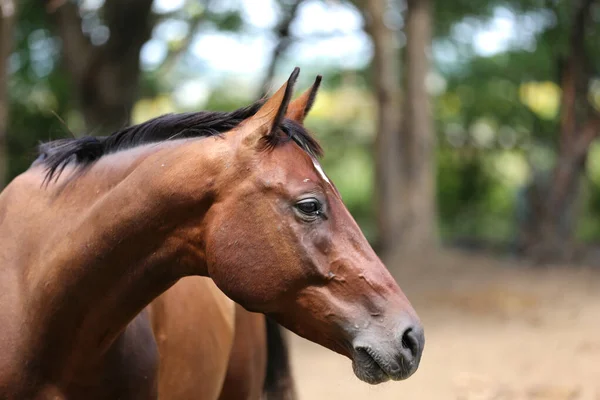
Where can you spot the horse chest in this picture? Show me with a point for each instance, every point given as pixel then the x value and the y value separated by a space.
pixel 128 371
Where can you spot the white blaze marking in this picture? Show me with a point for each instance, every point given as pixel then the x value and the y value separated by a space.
pixel 320 170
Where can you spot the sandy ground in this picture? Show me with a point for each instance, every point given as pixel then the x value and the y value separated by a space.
pixel 494 330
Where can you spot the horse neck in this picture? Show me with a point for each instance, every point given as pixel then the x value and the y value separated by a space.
pixel 129 242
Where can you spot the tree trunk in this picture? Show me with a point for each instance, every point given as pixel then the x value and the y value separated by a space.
pixel 387 145
pixel 105 78
pixel 404 153
pixel 550 236
pixel 7 17
pixel 419 225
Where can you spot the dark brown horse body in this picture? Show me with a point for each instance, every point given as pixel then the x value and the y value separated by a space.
pixel 193 355
pixel 247 206
pixel 211 348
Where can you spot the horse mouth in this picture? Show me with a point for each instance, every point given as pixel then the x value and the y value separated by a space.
pixel 372 368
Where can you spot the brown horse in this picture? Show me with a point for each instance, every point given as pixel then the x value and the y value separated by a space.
pixel 193 324
pixel 212 348
pixel 98 228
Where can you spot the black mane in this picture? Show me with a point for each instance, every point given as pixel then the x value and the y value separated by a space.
pixel 56 155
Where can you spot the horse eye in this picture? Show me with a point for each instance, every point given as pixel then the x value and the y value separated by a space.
pixel 310 207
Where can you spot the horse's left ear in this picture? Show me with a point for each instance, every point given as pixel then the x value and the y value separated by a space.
pixel 269 117
pixel 299 108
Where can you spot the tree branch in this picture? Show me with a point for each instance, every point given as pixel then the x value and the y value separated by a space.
pixel 589 132
pixel 175 54
pixel 575 139
pixel 575 78
pixel 284 41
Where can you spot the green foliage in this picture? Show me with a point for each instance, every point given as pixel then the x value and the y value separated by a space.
pixel 512 93
pixel 473 201
pixel 38 89
pixel 230 21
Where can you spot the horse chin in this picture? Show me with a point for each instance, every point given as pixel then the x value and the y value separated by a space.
pixel 367 369
pixel 372 369
pixel 372 375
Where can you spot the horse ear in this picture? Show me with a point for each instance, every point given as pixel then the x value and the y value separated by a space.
pixel 299 108
pixel 268 118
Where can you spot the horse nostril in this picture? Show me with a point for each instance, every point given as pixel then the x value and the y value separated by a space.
pixel 413 341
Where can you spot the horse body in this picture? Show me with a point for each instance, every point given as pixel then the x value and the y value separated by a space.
pixel 247 368
pixel 192 326
pixel 57 298
pixel 211 348
pixel 248 207
pixel 193 357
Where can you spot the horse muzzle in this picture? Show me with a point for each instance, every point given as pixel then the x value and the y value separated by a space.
pixel 396 355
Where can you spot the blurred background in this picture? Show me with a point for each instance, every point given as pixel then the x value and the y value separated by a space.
pixel 461 135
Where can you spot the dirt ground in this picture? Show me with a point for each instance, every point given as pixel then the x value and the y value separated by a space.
pixel 495 330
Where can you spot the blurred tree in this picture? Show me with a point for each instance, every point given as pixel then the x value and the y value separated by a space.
pixel 387 142
pixel 497 113
pixel 7 17
pixel 419 224
pixel 289 10
pixel 38 89
pixel 550 234
pixel 105 77
pixel 405 161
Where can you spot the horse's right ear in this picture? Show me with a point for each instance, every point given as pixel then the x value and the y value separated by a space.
pixel 268 118
pixel 299 108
